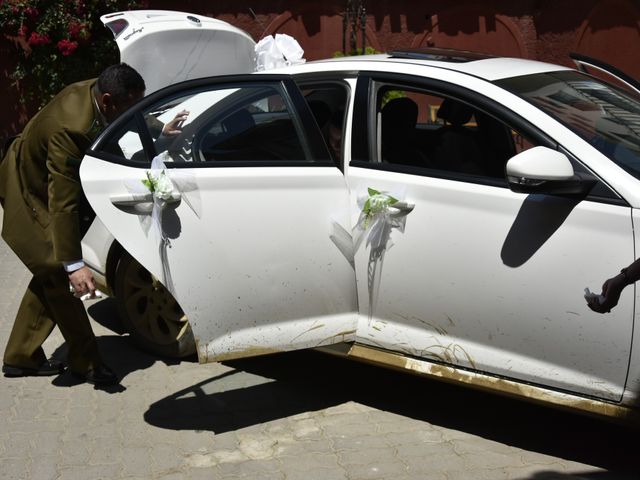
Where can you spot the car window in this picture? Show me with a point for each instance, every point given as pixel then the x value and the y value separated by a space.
pixel 328 103
pixel 603 115
pixel 246 123
pixel 126 143
pixel 435 132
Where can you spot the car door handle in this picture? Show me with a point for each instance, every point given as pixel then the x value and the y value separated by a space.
pixel 403 208
pixel 133 199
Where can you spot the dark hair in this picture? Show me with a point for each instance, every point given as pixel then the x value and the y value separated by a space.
pixel 120 81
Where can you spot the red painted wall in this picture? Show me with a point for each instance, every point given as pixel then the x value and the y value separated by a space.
pixel 546 30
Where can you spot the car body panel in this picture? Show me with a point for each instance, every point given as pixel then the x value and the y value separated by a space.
pixel 632 392
pixel 481 285
pixel 473 281
pixel 496 68
pixel 96 244
pixel 167 47
pixel 491 247
pixel 489 69
pixel 277 281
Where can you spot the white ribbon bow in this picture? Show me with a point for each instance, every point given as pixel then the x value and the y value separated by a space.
pixel 277 52
pixel 166 187
pixel 379 216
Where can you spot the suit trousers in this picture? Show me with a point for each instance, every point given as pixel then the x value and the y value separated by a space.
pixel 47 303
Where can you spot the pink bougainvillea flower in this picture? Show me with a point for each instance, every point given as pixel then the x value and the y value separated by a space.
pixel 80 7
pixel 36 39
pixel 67 47
pixel 74 29
pixel 78 30
pixel 31 12
pixel 23 30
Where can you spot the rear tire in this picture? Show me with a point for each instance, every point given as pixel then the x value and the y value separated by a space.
pixel 149 312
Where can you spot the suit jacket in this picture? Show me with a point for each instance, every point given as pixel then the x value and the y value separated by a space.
pixel 39 179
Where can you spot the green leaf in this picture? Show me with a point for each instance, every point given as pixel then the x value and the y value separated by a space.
pixel 367 207
pixel 372 191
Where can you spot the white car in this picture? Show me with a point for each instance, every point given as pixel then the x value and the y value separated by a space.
pixel 450 231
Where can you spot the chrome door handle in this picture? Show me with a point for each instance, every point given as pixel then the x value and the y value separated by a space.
pixel 133 199
pixel 403 208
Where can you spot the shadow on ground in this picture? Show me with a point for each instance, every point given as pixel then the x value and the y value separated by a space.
pixel 272 387
pixel 308 381
pixel 118 351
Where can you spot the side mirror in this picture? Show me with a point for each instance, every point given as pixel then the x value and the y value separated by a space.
pixel 546 171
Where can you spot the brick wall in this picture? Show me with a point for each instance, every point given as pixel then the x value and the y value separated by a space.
pixel 544 29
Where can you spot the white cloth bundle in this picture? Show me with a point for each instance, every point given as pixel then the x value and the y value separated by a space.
pixel 278 52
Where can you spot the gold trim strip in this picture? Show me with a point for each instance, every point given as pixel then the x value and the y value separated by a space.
pixel 485 382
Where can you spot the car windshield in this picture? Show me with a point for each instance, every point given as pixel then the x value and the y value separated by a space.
pixel 602 114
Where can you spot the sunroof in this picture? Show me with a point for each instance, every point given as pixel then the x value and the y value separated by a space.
pixel 440 54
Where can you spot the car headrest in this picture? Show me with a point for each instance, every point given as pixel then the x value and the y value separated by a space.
pixel 238 122
pixel 454 112
pixel 321 112
pixel 399 114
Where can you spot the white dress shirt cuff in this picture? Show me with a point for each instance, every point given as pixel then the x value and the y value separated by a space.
pixel 73 266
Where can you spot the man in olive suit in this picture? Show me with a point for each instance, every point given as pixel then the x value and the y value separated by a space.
pixel 41 196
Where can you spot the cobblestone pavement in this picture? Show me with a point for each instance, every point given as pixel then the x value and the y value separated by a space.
pixel 294 416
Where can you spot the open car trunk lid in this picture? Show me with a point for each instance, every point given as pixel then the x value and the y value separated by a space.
pixel 167 47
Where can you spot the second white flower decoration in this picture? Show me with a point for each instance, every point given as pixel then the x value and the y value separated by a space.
pixel 380 214
pixel 377 203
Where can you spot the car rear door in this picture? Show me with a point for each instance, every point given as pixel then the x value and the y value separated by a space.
pixel 243 236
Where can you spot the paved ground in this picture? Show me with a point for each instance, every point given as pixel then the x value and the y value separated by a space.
pixel 295 416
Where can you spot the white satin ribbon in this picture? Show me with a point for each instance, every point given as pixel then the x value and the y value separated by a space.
pixel 167 187
pixel 378 218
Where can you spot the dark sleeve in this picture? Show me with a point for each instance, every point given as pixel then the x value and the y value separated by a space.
pixel 64 190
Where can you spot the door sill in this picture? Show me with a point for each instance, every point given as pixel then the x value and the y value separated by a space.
pixel 483 381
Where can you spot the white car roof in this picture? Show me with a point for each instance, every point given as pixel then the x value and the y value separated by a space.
pixel 493 68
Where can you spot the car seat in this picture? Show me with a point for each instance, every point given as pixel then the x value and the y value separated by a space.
pixel 237 123
pixel 230 142
pixel 457 148
pixel 398 118
pixel 321 112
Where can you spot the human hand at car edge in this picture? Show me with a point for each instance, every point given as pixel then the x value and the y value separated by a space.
pixel 612 288
pixel 174 127
pixel 82 282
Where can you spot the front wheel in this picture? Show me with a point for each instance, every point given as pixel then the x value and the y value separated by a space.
pixel 149 312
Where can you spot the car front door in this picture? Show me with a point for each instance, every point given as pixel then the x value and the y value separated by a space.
pixel 466 272
pixel 239 227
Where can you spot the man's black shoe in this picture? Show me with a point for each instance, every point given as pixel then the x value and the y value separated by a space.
pixel 48 367
pixel 101 376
